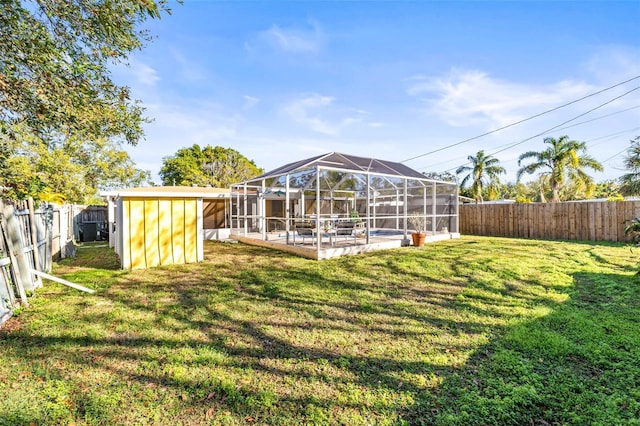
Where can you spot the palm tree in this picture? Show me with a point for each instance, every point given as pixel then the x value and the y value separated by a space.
pixel 483 173
pixel 564 161
pixel 630 182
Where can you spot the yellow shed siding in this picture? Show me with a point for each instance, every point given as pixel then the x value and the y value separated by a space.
pixel 164 232
pixel 151 233
pixel 178 231
pixel 161 232
pixel 191 231
pixel 136 234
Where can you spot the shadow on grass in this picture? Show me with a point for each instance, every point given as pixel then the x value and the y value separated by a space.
pixel 580 364
pixel 256 334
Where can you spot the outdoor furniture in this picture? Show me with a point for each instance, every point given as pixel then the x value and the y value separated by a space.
pixel 346 230
pixel 304 230
pixel 275 224
pixel 330 232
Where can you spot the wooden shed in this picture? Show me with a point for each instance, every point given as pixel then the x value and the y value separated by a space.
pixel 164 225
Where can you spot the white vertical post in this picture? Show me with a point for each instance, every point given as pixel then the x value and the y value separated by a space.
pixel 287 205
pixel 37 265
pixel 457 212
pixel 111 208
pixel 375 224
pixel 368 233
pixel 424 206
pixel 318 235
pixel 23 278
pixel 397 209
pixel 434 209
pixel 262 202
pixel 237 211
pixel 406 207
pixel 246 212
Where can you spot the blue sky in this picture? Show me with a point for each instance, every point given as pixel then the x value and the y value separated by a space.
pixel 280 81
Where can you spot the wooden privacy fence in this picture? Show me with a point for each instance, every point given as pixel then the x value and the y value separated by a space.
pixel 583 221
pixel 30 239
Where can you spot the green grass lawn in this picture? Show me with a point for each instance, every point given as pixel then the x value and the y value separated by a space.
pixel 470 331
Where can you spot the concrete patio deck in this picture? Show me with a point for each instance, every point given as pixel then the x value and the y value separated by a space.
pixel 336 246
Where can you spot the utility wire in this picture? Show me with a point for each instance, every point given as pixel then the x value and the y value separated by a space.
pixel 599 118
pixel 555 127
pixel 428 166
pixel 568 121
pixel 615 155
pixel 521 121
pixel 611 135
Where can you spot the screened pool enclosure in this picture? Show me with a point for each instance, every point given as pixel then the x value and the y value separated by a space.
pixel 336 204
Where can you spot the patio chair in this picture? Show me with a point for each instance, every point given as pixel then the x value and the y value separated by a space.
pixel 345 229
pixel 303 230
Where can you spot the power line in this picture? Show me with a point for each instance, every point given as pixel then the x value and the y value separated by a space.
pixel 589 141
pixel 585 122
pixel 613 134
pixel 556 128
pixel 615 155
pixel 568 121
pixel 599 118
pixel 521 121
pixel 509 146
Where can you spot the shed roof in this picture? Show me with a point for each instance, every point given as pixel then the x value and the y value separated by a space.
pixel 169 192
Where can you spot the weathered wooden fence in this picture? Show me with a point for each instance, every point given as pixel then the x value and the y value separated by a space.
pixel 582 221
pixel 30 239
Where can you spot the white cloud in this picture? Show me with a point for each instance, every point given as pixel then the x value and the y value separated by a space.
pixel 303 112
pixel 143 74
pixel 319 114
pixel 188 69
pixel 250 102
pixel 201 124
pixel 178 126
pixel 614 63
pixel 293 40
pixel 468 97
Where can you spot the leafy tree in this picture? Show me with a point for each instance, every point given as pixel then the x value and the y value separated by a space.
pixel 54 65
pixel 608 189
pixel 630 182
pixel 516 191
pixel 106 165
pixel 443 176
pixel 219 167
pixel 62 117
pixel 483 174
pixel 563 162
pixel 17 179
pixel 73 170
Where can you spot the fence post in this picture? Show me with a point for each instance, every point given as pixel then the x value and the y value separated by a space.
pixel 20 266
pixel 37 265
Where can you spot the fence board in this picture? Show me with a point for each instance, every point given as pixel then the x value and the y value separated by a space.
pixel 27 244
pixel 583 221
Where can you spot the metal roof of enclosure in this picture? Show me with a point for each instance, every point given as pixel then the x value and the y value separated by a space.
pixel 335 190
pixel 335 160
